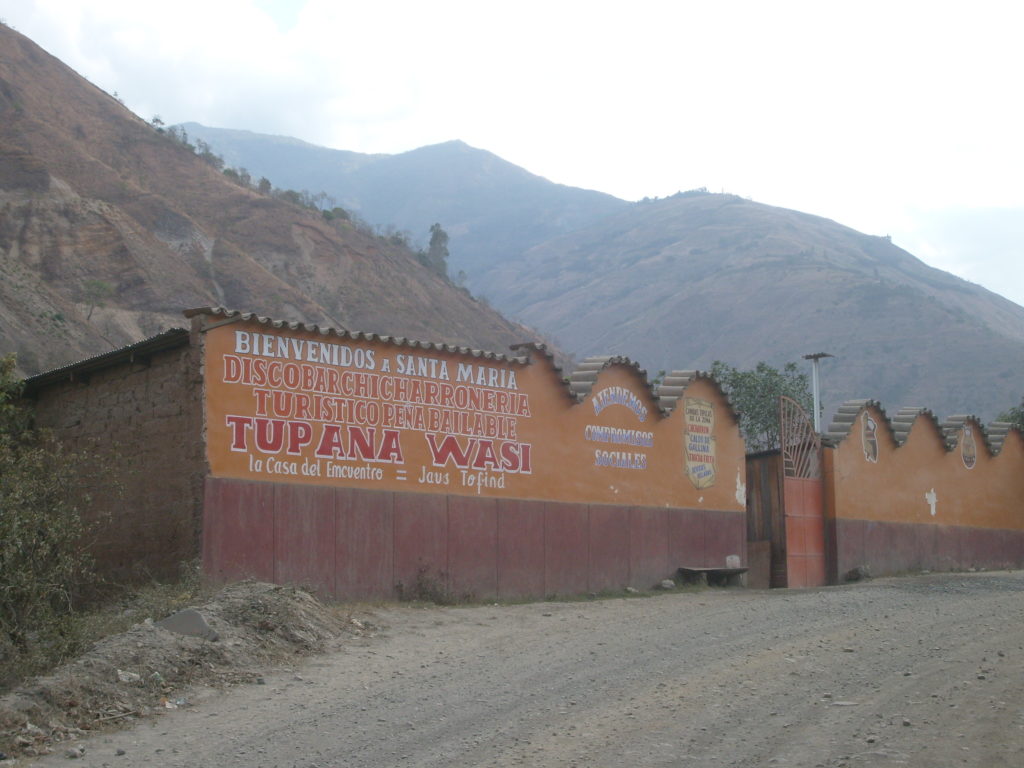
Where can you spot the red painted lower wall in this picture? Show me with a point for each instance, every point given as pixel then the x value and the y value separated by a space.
pixel 354 544
pixel 890 548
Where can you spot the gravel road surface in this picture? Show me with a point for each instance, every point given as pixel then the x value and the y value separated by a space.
pixel 918 671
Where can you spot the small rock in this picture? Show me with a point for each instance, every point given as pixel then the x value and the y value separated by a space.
pixel 857 573
pixel 872 739
pixel 128 677
pixel 632 590
pixel 74 753
pixel 191 623
pixel 906 722
pixel 849 650
pixel 119 752
pixel 668 584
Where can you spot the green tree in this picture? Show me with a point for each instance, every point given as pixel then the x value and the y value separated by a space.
pixel 95 293
pixel 437 251
pixel 1014 415
pixel 43 562
pixel 207 155
pixel 263 186
pixel 755 395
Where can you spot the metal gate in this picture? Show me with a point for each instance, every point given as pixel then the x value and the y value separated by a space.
pixel 802 497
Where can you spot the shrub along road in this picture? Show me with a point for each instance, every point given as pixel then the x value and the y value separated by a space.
pixel 919 671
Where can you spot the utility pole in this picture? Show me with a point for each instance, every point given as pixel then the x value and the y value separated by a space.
pixel 816 386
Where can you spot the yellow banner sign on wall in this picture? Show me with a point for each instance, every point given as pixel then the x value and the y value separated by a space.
pixel 700 441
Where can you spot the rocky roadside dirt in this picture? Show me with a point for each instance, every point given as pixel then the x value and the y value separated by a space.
pixel 918 671
pixel 149 670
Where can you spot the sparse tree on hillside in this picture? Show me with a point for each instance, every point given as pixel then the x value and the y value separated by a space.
pixel 263 186
pixel 322 201
pixel 437 252
pixel 207 155
pixel 95 293
pixel 335 213
pixel 289 196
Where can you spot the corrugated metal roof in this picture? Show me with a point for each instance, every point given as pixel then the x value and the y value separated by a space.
pixel 953 425
pixel 905 418
pixel 582 380
pixel 675 383
pixel 169 339
pixel 399 341
pixel 666 395
pixel 846 417
pixel 997 432
pixel 994 436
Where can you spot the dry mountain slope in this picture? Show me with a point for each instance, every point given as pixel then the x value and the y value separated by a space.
pixel 701 276
pixel 683 281
pixel 493 210
pixel 108 229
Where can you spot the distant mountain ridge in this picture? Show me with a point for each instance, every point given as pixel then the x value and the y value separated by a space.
pixel 705 277
pixel 110 228
pixel 685 280
pixel 492 210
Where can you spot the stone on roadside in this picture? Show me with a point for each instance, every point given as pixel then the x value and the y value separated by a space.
pixel 189 622
pixel 128 677
pixel 668 584
pixel 858 573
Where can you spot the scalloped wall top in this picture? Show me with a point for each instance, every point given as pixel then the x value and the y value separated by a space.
pixel 900 426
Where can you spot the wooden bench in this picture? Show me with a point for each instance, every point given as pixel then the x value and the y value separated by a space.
pixel 716 577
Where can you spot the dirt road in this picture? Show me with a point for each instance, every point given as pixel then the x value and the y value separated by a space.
pixel 921 671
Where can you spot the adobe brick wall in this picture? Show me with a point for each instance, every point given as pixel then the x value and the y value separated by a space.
pixel 148 419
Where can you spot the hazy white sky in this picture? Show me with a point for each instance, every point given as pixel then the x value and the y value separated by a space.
pixel 900 118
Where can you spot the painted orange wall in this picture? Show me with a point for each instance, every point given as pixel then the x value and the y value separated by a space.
pixel 549 434
pixel 898 485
